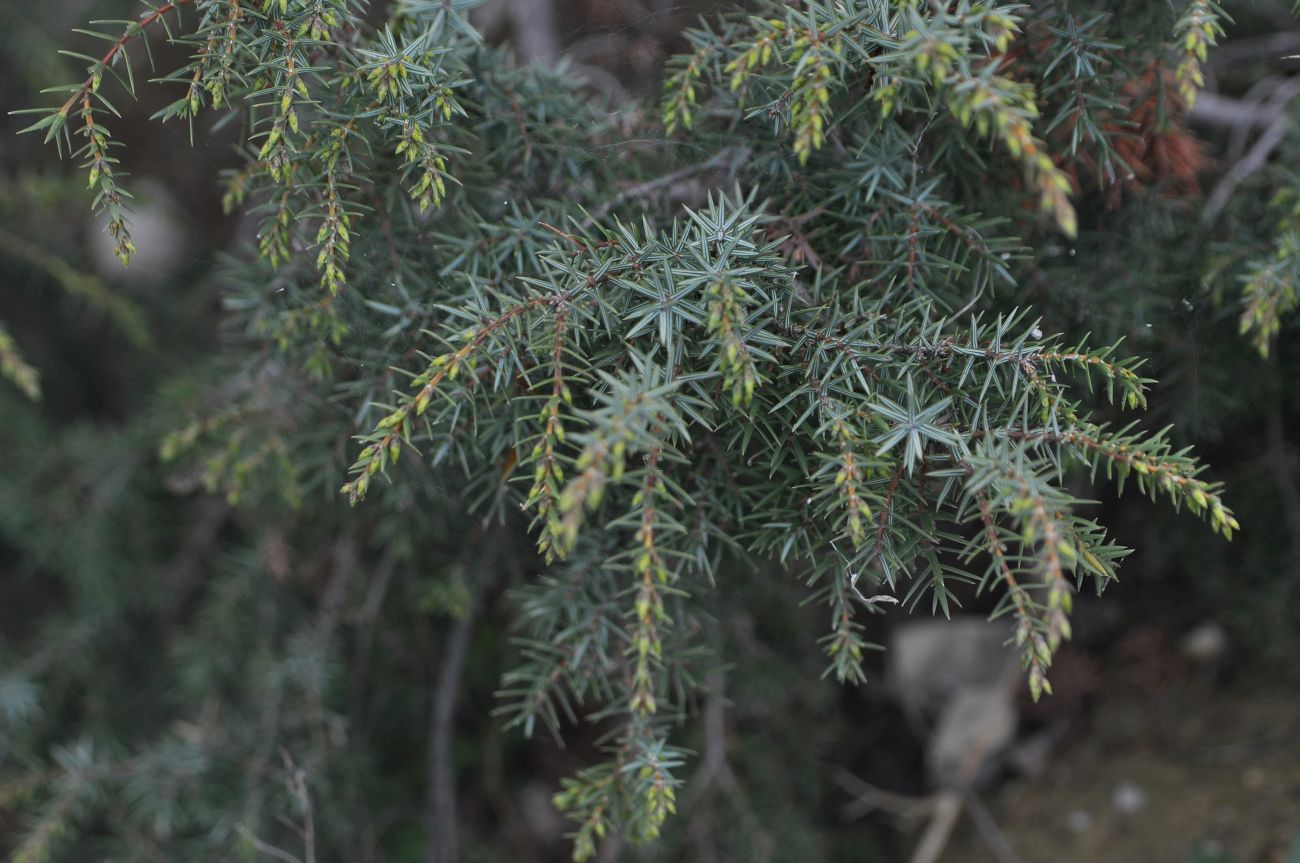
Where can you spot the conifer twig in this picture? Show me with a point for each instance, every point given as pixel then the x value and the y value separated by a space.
pixel 148 19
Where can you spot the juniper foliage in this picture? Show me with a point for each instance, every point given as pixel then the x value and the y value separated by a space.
pixel 774 318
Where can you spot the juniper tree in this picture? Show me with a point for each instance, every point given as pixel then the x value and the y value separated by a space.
pixel 625 358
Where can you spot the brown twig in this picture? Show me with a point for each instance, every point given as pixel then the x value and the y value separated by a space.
pixel 373 604
pixel 297 782
pixel 520 124
pixel 994 839
pixel 82 93
pixel 440 818
pixel 263 847
pixel 1256 156
pixel 444 842
pixel 868 798
pixel 566 235
pixel 641 190
pixel 714 766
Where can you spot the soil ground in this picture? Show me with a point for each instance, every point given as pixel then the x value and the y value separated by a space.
pixel 1171 761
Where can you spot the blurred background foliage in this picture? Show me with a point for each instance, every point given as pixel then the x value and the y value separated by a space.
pixel 172 664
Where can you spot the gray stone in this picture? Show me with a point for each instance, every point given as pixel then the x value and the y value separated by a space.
pixel 976 724
pixel 930 660
pixel 1206 643
pixel 1128 798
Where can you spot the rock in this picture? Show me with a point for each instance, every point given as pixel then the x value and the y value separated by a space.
pixel 1079 821
pixel 1128 798
pixel 1029 757
pixel 975 725
pixel 929 661
pixel 1206 643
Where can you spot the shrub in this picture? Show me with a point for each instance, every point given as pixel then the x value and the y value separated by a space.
pixel 780 318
